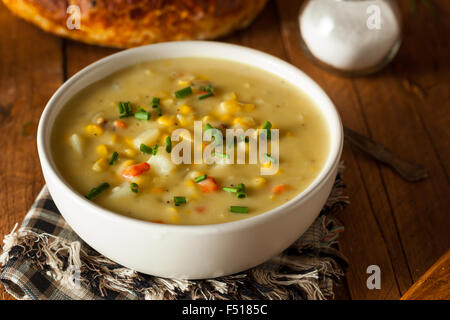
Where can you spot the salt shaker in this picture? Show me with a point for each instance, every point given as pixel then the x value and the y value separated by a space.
pixel 353 37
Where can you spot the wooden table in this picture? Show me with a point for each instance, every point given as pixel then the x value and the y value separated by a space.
pixel 401 227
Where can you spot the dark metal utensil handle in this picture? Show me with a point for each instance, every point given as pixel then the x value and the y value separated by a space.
pixel 408 170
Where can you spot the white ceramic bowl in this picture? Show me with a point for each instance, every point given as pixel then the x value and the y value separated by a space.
pixel 189 252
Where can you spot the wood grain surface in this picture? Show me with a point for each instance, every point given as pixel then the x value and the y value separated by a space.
pixel 401 227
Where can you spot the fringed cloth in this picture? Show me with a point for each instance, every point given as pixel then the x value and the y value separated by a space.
pixel 45 259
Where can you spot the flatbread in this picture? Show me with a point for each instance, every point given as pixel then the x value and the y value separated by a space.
pixel 129 23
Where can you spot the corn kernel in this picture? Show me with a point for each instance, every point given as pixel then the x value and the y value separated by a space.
pixel 167 102
pixel 114 138
pixel 185 109
pixel 130 152
pixel 166 120
pixel 184 82
pixel 244 122
pixel 174 219
pixel 94 129
pixel 102 150
pixel 267 164
pixel 100 120
pixel 206 119
pixel 100 164
pixel 259 182
pixel 125 164
pixel 185 120
pixel 226 117
pixel 189 183
pixel 229 107
pixel 129 142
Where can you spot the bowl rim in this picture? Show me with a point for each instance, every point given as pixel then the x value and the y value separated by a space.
pixel 47 165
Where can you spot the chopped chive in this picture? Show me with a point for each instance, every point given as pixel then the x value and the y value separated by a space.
pixel 222 155
pixel 241 191
pixel 267 126
pixel 125 109
pixel 200 178
pixel 134 187
pixel 97 190
pixel 155 150
pixel 142 115
pixel 179 200
pixel 168 145
pixel 145 149
pixel 238 209
pixel 183 93
pixel 155 102
pixel 208 127
pixel 210 94
pixel 113 158
pixel 156 105
pixel 270 158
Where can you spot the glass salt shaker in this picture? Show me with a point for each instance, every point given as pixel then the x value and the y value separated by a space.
pixel 352 37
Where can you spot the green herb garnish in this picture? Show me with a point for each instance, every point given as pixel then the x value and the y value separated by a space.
pixel 208 127
pixel 270 158
pixel 267 126
pixel 113 158
pixel 222 155
pixel 183 93
pixel 200 178
pixel 142 114
pixel 145 149
pixel 238 209
pixel 155 150
pixel 125 109
pixel 209 92
pixel 97 190
pixel 134 187
pixel 179 200
pixel 156 105
pixel 242 193
pixel 168 145
pixel 239 190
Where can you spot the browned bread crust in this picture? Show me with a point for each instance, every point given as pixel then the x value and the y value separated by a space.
pixel 129 23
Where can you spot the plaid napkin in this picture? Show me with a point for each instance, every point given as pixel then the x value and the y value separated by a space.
pixel 45 259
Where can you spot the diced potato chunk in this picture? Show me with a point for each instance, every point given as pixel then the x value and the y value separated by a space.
pixel 122 191
pixel 76 143
pixel 148 137
pixel 161 163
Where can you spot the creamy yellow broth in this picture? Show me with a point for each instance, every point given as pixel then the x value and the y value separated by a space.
pixel 85 136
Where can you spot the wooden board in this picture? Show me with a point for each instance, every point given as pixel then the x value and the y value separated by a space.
pixel 434 284
pixel 399 226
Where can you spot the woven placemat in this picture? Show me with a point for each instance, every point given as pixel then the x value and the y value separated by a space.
pixel 45 259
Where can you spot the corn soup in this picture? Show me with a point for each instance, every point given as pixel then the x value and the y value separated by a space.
pixel 113 141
